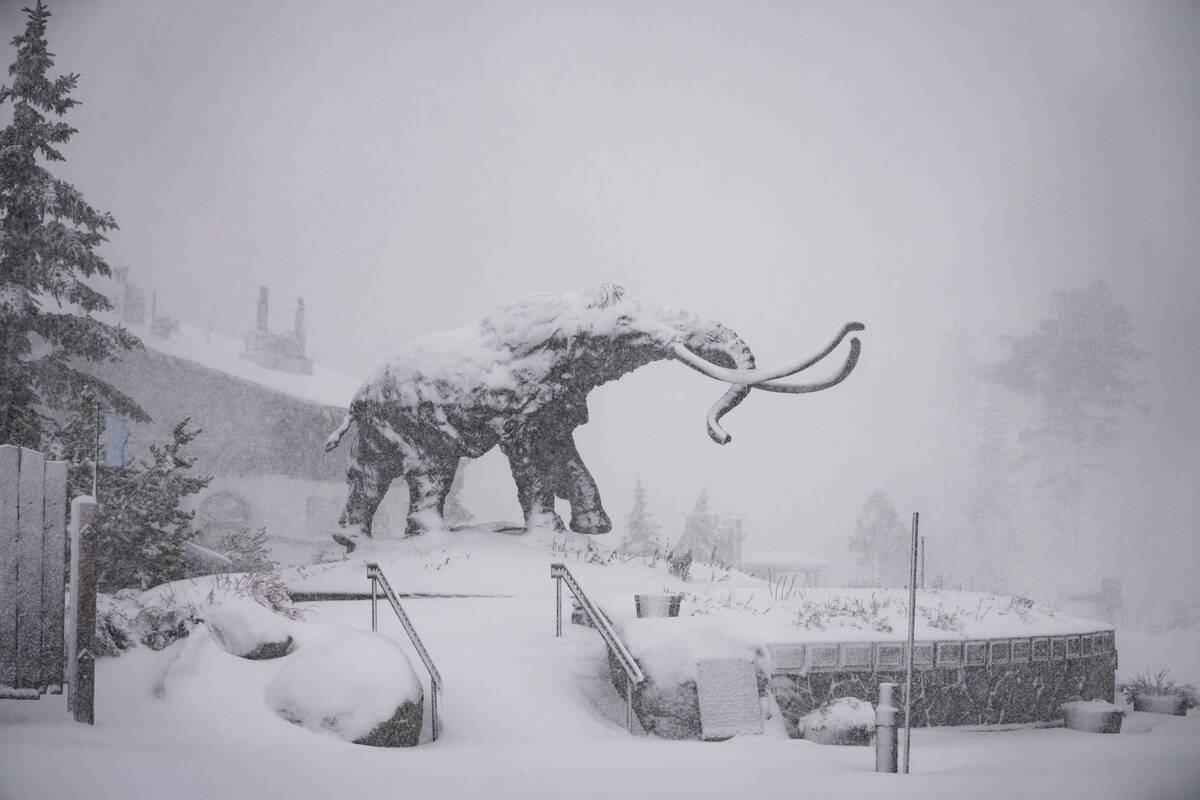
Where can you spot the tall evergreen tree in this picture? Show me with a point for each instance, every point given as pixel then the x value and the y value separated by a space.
pixel 48 238
pixel 880 541
pixel 701 530
pixel 641 531
pixel 1075 370
pixel 141 522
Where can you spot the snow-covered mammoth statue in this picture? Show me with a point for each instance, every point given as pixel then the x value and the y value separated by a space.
pixel 520 379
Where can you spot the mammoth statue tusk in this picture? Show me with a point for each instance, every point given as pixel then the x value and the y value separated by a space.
pixel 803 388
pixel 760 378
pixel 744 379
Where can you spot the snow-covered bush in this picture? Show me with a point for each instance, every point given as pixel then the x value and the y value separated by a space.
pixel 166 613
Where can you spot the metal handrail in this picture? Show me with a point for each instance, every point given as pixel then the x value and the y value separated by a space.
pixel 602 624
pixel 375 574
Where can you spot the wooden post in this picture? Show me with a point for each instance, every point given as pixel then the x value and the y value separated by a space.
pixel 9 481
pixel 30 514
pixel 54 545
pixel 81 658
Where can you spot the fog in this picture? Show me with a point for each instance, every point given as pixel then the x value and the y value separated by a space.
pixel 782 168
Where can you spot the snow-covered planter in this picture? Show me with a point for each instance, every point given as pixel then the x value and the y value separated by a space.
pixel 1158 693
pixel 359 687
pixel 844 721
pixel 669 652
pixel 1092 716
pixel 657 605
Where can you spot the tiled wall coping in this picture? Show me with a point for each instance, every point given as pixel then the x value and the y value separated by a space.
pixel 803 657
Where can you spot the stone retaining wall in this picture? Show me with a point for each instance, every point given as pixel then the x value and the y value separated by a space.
pixel 974 682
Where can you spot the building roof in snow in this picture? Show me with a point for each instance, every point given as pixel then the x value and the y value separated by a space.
pixel 325 386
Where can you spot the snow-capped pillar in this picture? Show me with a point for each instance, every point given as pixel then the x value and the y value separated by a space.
pixel 885 730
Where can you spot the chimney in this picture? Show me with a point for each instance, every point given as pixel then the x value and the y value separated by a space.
pixel 262 309
pixel 300 323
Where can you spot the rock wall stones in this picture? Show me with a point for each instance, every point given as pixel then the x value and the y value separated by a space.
pixel 954 683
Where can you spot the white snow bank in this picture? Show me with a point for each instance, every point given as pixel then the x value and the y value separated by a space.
pixel 345 687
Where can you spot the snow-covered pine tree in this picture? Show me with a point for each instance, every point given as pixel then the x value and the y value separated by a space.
pixel 701 531
pixel 141 523
pixel 641 531
pixel 881 541
pixel 48 238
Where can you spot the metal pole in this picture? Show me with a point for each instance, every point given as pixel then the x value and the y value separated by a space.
pixel 922 562
pixel 374 605
pixel 912 629
pixel 96 462
pixel 433 709
pixel 558 606
pixel 629 703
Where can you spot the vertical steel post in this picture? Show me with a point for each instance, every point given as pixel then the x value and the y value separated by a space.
pixel 629 704
pixel 922 562
pixel 433 710
pixel 557 606
pixel 912 629
pixel 374 604
pixel 885 729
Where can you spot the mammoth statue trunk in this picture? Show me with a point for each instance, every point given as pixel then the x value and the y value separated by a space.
pixel 519 380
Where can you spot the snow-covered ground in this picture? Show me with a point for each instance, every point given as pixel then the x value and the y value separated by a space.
pixel 528 715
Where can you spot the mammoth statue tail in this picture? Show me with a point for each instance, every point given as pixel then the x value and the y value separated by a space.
pixel 335 438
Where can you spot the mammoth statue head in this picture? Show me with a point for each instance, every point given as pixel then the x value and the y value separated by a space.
pixel 603 334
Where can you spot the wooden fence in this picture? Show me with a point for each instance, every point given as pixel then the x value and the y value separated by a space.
pixel 33 530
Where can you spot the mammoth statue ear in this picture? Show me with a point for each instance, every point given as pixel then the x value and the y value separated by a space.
pixel 604 295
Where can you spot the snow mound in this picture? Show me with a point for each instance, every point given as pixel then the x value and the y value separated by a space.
pixel 246 628
pixel 345 687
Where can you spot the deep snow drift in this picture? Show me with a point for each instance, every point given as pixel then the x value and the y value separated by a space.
pixel 528 715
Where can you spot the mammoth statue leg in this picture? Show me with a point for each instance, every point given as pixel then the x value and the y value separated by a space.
pixel 546 464
pixel 573 482
pixel 428 488
pixel 529 459
pixel 372 469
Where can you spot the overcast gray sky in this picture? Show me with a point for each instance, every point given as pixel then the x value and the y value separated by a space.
pixel 780 167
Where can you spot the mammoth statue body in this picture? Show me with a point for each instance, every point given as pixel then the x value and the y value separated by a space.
pixel 520 379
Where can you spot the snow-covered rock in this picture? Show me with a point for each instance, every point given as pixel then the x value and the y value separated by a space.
pixel 358 687
pixel 846 720
pixel 247 629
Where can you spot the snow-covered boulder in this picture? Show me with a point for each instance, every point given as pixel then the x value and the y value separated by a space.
pixel 247 629
pixel 358 687
pixel 846 720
